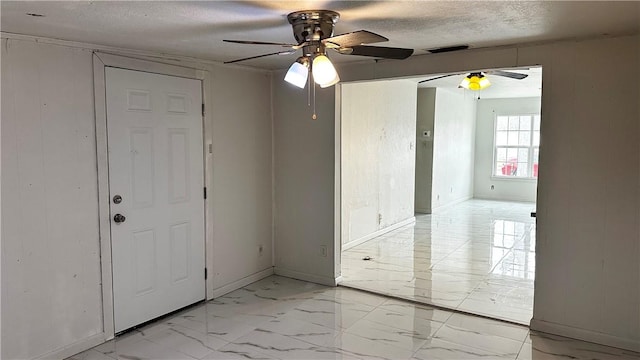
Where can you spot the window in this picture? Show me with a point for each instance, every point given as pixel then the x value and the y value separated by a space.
pixel 517 142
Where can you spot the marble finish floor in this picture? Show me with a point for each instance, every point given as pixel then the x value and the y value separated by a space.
pixel 477 256
pixel 282 318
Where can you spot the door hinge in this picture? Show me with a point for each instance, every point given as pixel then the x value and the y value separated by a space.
pixel 205 273
pixel 205 192
pixel 202 109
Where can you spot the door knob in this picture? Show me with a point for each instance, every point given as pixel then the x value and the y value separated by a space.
pixel 119 218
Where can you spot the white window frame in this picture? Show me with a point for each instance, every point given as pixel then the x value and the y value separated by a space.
pixel 531 149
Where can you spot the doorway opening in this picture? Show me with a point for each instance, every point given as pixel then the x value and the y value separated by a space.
pixel 438 186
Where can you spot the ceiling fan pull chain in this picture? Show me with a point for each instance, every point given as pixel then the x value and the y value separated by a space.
pixel 314 102
pixel 309 82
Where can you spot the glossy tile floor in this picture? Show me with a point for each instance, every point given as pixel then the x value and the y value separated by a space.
pixel 282 318
pixel 477 256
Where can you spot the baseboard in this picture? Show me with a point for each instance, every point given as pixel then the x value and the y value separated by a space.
pixel 366 238
pixel 422 211
pixel 75 348
pixel 225 289
pixel 449 204
pixel 322 280
pixel 511 199
pixel 586 335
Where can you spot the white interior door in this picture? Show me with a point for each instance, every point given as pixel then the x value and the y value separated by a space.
pixel 154 125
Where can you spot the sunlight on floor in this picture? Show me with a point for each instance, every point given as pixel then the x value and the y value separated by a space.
pixel 477 256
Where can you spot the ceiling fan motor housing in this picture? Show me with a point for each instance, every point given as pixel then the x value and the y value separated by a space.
pixel 313 31
pixel 313 25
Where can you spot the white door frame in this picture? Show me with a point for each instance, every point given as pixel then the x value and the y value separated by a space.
pixel 100 61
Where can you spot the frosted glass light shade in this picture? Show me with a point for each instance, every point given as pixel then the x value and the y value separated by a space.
pixel 465 83
pixel 475 81
pixel 297 75
pixel 333 81
pixel 484 82
pixel 324 74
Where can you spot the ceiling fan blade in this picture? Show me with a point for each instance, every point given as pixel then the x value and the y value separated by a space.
pixel 288 52
pixel 437 77
pixel 354 38
pixel 508 74
pixel 377 51
pixel 259 43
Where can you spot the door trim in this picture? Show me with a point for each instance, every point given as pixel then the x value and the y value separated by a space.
pixel 102 60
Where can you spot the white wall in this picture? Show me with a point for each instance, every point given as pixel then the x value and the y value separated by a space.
pixel 378 156
pixel 453 147
pixel 51 295
pixel 588 239
pixel 588 206
pixel 242 194
pixel 304 182
pixel 424 149
pixel 503 189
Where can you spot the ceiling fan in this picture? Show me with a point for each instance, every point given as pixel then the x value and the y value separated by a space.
pixel 313 31
pixel 478 80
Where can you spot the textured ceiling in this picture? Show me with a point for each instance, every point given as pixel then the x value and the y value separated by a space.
pixel 197 28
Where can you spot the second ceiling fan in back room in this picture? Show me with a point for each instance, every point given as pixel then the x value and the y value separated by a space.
pixel 478 80
pixel 313 31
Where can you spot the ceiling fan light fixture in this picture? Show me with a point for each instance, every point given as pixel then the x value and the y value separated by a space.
pixel 334 81
pixel 324 74
pixel 298 73
pixel 475 81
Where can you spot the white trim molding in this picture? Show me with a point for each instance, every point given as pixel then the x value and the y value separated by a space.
pixel 318 279
pixel 124 52
pixel 585 335
pixel 104 215
pixel 225 289
pixel 337 187
pixel 79 346
pixel 375 234
pixel 454 202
